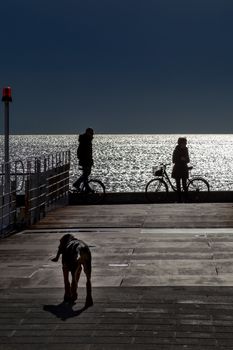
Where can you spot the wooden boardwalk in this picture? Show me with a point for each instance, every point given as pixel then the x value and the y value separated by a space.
pixel 162 279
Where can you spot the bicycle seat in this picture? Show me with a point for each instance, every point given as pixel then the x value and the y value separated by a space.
pixel 190 167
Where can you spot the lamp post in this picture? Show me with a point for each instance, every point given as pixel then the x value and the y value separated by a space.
pixel 6 99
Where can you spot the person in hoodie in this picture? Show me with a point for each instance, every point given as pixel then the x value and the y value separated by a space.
pixel 180 172
pixel 84 154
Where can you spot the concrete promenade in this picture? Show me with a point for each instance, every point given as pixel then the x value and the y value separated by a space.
pixel 162 279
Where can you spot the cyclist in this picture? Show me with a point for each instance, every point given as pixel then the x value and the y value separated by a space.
pixel 180 159
pixel 84 154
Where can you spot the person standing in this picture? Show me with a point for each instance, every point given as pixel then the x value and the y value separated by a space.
pixel 84 155
pixel 180 172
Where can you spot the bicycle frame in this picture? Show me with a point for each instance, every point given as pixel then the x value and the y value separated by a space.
pixel 161 182
pixel 165 177
pixel 169 181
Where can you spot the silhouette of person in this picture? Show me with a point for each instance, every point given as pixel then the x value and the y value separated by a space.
pixel 84 155
pixel 180 172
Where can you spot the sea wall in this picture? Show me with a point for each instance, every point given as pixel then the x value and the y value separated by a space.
pixel 140 197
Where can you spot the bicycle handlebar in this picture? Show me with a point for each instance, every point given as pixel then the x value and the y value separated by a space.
pixel 165 165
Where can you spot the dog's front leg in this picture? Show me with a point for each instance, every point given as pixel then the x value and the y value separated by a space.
pixel 74 284
pixel 67 295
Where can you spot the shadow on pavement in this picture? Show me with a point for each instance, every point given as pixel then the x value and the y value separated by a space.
pixel 63 310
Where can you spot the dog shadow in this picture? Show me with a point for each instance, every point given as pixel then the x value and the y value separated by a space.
pixel 63 311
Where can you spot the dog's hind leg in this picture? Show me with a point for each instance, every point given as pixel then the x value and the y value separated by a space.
pixel 87 270
pixel 74 283
pixel 67 295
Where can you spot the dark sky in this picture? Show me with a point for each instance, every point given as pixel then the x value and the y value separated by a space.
pixel 119 66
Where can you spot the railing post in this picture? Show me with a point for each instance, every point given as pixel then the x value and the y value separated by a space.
pixel 37 189
pixel 6 98
pixel 27 213
pixel 13 216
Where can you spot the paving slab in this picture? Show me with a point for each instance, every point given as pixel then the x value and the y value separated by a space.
pixel 185 215
pixel 123 257
pixel 153 288
pixel 165 317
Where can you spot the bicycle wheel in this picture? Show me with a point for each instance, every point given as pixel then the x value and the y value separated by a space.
pixel 199 187
pixel 156 190
pixel 96 192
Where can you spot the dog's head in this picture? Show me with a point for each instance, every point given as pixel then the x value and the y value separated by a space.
pixel 64 242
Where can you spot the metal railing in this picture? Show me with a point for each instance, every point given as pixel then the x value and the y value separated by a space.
pixel 38 181
pixel 9 187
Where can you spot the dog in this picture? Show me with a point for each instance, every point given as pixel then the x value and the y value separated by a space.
pixel 75 255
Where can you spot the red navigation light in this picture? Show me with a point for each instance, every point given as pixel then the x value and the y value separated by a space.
pixel 6 94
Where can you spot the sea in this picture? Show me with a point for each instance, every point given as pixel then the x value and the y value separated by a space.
pixel 124 162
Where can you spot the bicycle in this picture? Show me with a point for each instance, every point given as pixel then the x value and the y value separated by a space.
pixel 161 183
pixel 91 191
